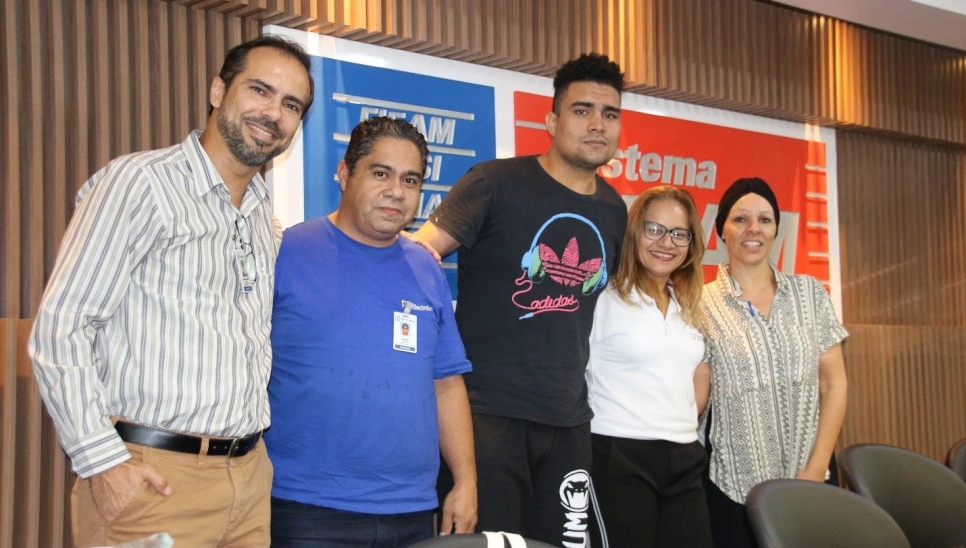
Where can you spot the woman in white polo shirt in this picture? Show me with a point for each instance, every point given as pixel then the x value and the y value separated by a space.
pixel 647 385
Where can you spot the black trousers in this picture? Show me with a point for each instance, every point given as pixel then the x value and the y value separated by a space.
pixel 533 479
pixel 730 527
pixel 650 492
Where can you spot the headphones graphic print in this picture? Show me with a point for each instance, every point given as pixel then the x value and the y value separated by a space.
pixel 533 265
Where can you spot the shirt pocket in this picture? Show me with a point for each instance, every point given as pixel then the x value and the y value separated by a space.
pixel 741 366
pixel 801 355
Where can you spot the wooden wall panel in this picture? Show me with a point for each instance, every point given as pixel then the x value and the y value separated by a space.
pixel 906 386
pixel 10 267
pixel 923 94
pixel 84 81
pixel 902 211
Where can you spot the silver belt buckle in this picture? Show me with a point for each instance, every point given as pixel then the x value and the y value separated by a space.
pixel 233 447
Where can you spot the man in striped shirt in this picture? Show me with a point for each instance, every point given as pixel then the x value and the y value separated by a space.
pixel 151 346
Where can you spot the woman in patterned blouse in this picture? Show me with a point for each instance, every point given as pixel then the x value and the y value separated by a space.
pixel 773 341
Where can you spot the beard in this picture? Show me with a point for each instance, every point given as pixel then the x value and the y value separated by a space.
pixel 586 161
pixel 251 156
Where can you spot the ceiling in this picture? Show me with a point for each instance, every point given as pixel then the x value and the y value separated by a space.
pixel 938 21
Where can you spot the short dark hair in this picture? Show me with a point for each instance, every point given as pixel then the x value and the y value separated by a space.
pixel 589 67
pixel 237 59
pixel 365 135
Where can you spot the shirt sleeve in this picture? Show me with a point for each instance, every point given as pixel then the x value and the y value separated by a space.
pixel 602 325
pixel 450 353
pixel 708 357
pixel 465 208
pixel 113 228
pixel 277 232
pixel 705 326
pixel 829 330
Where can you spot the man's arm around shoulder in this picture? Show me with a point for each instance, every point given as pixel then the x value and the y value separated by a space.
pixel 437 238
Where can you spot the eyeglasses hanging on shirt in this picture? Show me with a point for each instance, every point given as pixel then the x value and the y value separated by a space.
pixel 244 254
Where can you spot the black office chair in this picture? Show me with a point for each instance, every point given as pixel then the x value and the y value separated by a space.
pixel 925 498
pixel 787 513
pixel 956 458
pixel 484 540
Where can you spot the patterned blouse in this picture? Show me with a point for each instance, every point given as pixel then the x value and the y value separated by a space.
pixel 764 387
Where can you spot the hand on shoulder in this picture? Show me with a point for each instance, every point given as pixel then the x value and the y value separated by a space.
pixel 424 244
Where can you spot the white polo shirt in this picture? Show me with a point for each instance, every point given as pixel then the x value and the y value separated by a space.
pixel 640 377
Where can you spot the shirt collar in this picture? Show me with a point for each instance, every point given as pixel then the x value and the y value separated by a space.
pixel 200 163
pixel 729 286
pixel 639 297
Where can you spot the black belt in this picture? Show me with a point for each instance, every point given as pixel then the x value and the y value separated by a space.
pixel 184 443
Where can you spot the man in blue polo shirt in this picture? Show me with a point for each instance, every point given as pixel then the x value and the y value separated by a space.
pixel 366 387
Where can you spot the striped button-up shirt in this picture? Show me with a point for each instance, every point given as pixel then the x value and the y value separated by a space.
pixel 147 315
pixel 764 385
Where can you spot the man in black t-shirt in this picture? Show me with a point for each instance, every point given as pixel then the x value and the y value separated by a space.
pixel 537 237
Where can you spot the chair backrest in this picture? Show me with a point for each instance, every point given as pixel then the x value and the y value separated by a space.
pixel 484 540
pixel 925 498
pixel 956 458
pixel 787 513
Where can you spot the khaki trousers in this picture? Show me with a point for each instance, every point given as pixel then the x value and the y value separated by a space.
pixel 214 501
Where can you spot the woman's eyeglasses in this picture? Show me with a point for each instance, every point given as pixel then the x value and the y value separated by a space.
pixel 656 231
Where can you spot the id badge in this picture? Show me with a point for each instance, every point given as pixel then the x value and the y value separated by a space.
pixel 404 332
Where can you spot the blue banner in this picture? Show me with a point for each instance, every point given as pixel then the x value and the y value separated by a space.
pixel 456 118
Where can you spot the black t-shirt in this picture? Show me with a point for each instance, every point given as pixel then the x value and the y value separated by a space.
pixel 533 258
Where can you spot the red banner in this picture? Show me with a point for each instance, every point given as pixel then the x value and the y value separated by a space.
pixel 705 159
